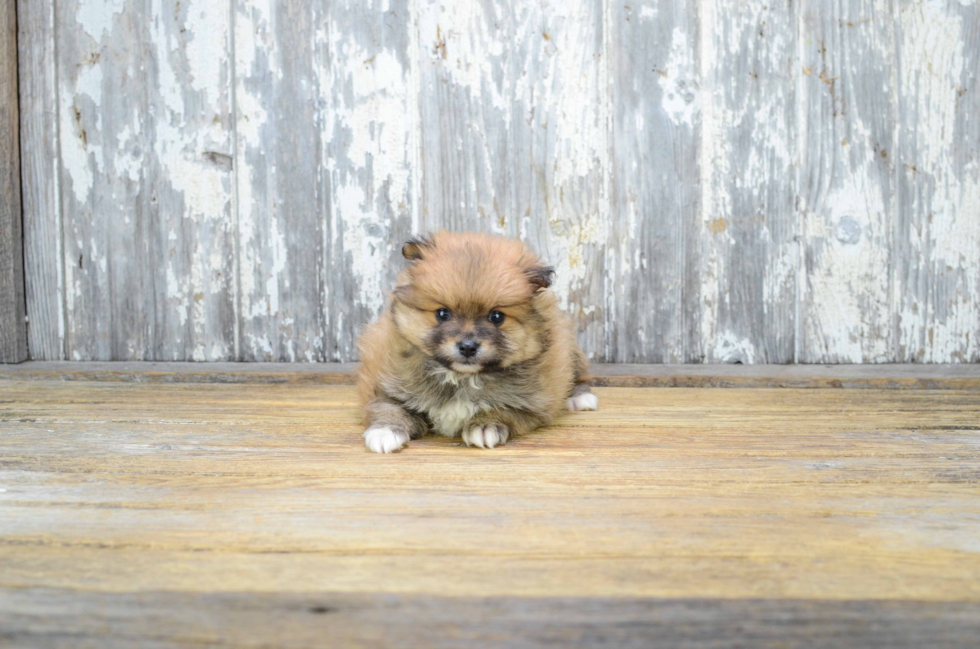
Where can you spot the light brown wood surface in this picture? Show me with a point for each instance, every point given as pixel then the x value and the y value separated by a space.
pixel 188 491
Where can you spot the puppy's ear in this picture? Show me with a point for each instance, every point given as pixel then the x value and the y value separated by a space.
pixel 540 276
pixel 415 247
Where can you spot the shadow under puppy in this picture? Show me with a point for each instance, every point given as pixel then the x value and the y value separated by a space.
pixel 473 344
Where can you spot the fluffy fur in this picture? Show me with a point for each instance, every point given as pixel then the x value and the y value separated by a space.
pixel 482 291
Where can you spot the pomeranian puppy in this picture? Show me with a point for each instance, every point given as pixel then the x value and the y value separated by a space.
pixel 473 344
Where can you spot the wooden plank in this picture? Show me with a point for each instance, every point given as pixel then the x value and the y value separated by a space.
pixel 735 494
pixel 146 185
pixel 514 137
pixel 102 88
pixel 43 256
pixel 936 261
pixel 654 249
pixel 326 152
pixel 847 194
pixel 188 164
pixel 13 326
pixel 884 377
pixel 370 159
pixel 47 617
pixel 749 250
pixel 282 193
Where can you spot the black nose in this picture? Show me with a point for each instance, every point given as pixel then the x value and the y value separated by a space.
pixel 468 348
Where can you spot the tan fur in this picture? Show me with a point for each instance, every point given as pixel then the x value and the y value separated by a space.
pixel 532 360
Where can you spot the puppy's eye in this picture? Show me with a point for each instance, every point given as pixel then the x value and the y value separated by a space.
pixel 496 317
pixel 442 315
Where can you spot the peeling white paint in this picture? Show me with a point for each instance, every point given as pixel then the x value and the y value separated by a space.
pixel 96 17
pixel 729 348
pixel 527 87
pixel 946 234
pixel 679 81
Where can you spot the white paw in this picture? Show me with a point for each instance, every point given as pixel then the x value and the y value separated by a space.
pixel 381 439
pixel 486 436
pixel 583 401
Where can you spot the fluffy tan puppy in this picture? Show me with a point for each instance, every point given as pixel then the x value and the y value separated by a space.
pixel 473 344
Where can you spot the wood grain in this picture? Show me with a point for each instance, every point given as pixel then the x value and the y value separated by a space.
pixel 761 183
pixel 13 326
pixel 51 617
pixel 102 86
pixel 748 225
pixel 828 495
pixel 146 186
pixel 189 231
pixel 655 295
pixel 371 158
pixel 937 231
pixel 846 188
pixel 43 255
pixel 280 200
pixel 251 514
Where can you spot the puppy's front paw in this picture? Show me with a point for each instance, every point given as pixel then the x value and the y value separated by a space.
pixel 486 435
pixel 582 401
pixel 382 439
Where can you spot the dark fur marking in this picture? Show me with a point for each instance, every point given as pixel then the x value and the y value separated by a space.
pixel 415 248
pixel 540 276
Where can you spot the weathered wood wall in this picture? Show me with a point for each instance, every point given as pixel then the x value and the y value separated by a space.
pixel 714 180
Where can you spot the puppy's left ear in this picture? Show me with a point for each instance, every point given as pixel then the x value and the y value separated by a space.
pixel 540 276
pixel 415 247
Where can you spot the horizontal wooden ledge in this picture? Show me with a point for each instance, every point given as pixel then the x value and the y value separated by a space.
pixel 892 376
pixel 421 620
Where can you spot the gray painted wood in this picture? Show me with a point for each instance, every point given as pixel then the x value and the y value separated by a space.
pixel 846 180
pixel 13 328
pixel 188 161
pixel 714 182
pixel 102 86
pixel 655 296
pixel 45 617
pixel 370 161
pixel 750 254
pixel 146 180
pixel 281 202
pixel 514 137
pixel 43 257
pixel 325 181
pixel 937 229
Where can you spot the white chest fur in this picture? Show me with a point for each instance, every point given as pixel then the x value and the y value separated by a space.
pixel 450 418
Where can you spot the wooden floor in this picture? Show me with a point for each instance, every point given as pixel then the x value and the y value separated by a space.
pixel 251 515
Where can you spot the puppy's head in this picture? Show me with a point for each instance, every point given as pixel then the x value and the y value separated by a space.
pixel 467 300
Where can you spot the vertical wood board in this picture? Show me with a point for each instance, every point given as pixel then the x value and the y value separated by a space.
pixel 937 232
pixel 144 117
pixel 370 160
pixel 43 255
pixel 847 109
pixel 13 329
pixel 654 291
pixel 750 253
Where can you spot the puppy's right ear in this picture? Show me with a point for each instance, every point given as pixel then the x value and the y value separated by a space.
pixel 415 247
pixel 540 276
